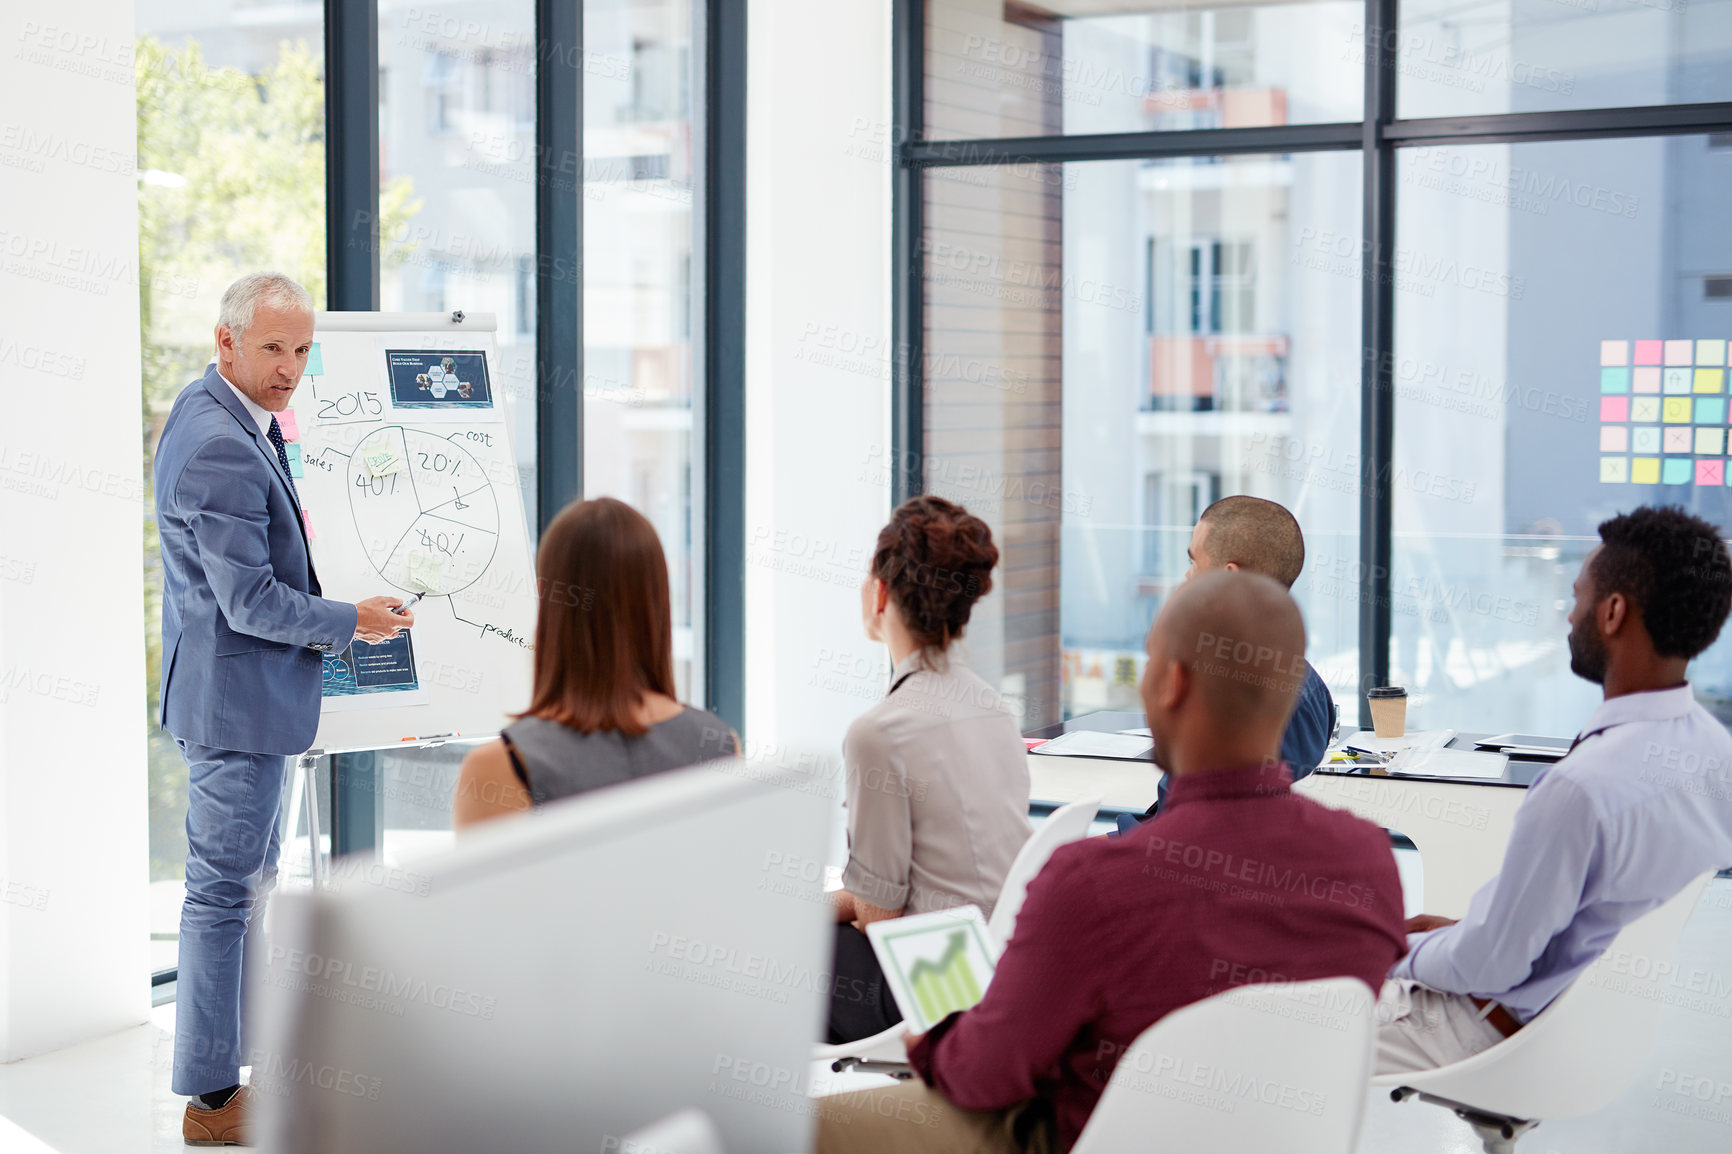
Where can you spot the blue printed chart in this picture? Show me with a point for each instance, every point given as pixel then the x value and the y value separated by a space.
pixel 1663 412
pixel 362 669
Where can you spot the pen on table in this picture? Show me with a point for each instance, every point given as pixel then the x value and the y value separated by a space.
pixel 407 605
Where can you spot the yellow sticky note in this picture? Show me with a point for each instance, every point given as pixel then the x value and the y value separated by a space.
pixel 1645 471
pixel 382 461
pixel 1677 410
pixel 426 571
pixel 1710 380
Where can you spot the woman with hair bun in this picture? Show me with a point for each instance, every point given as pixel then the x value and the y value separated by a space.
pixel 937 772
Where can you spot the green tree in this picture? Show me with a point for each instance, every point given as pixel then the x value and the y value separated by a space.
pixel 231 179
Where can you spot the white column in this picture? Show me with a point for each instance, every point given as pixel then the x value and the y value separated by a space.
pixel 818 361
pixel 73 825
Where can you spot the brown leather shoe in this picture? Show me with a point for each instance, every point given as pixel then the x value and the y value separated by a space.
pixel 229 1126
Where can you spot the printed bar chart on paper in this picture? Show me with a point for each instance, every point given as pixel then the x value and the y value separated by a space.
pixel 946 984
pixel 934 963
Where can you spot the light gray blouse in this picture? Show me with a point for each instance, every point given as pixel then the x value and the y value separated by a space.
pixel 937 778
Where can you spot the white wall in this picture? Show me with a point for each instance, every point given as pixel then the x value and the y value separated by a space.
pixel 818 358
pixel 73 824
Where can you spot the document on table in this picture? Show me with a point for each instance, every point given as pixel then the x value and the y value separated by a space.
pixel 1440 762
pixel 1093 743
pixel 1417 741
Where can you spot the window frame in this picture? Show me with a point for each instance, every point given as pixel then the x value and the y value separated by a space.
pixel 1376 136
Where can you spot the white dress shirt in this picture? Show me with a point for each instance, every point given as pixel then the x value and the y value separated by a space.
pixel 1640 807
pixel 260 414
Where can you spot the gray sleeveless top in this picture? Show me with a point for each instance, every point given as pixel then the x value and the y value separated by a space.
pixel 558 761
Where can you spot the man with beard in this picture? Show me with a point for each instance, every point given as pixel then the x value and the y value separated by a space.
pixel 1641 805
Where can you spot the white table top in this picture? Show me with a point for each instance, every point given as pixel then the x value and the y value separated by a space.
pixel 1123 784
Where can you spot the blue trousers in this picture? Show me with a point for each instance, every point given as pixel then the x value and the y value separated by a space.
pixel 234 809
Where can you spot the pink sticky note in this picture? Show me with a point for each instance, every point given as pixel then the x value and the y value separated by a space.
pixel 286 422
pixel 307 521
pixel 1680 352
pixel 1647 381
pixel 1710 472
pixel 1648 352
pixel 1614 353
pixel 1614 408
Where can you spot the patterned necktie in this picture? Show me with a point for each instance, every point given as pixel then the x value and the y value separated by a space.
pixel 275 437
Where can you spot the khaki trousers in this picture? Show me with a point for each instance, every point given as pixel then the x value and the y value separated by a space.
pixel 1419 1028
pixel 912 1118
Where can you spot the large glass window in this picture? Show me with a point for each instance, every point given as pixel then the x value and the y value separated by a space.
pixel 1556 349
pixel 1590 276
pixel 1002 68
pixel 230 116
pixel 1545 55
pixel 232 159
pixel 1112 346
pixel 457 211
pixel 457 180
pixel 642 149
pixel 457 97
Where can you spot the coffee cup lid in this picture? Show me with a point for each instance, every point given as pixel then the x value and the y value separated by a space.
pixel 1388 691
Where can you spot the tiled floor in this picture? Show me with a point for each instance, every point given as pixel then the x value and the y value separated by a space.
pixel 111 1096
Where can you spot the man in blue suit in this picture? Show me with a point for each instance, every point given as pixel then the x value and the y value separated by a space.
pixel 243 630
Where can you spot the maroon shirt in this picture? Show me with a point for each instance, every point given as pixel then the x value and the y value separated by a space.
pixel 1238 880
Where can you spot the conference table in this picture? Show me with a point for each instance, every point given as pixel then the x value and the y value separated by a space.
pixel 1460 826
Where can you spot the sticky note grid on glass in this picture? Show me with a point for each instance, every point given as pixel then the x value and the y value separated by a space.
pixel 1663 411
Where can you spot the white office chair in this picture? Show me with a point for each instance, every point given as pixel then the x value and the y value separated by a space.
pixel 1579 1053
pixel 884 1053
pixel 1062 826
pixel 689 1131
pixel 1255 1069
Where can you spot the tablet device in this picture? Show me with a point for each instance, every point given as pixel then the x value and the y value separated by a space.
pixel 934 963
pixel 1527 745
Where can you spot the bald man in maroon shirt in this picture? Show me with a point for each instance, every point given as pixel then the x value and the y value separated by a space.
pixel 1237 880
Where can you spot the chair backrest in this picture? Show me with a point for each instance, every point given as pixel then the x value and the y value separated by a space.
pixel 1588 1045
pixel 1065 824
pixel 1256 1069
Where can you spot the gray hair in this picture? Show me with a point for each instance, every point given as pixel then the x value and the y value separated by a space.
pixel 242 299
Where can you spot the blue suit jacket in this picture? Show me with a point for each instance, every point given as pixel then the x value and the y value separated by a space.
pixel 241 611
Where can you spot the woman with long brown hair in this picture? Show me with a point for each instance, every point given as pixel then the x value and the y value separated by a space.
pixel 603 709
pixel 937 772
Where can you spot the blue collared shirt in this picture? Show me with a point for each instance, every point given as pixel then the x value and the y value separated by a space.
pixel 1640 807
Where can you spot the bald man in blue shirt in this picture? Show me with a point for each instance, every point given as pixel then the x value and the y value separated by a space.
pixel 1259 536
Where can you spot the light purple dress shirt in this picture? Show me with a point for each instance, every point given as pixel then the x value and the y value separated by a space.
pixel 1640 807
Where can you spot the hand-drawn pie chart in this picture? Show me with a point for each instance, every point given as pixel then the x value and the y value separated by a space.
pixel 424 510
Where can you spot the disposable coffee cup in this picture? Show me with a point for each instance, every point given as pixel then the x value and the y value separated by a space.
pixel 1388 710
